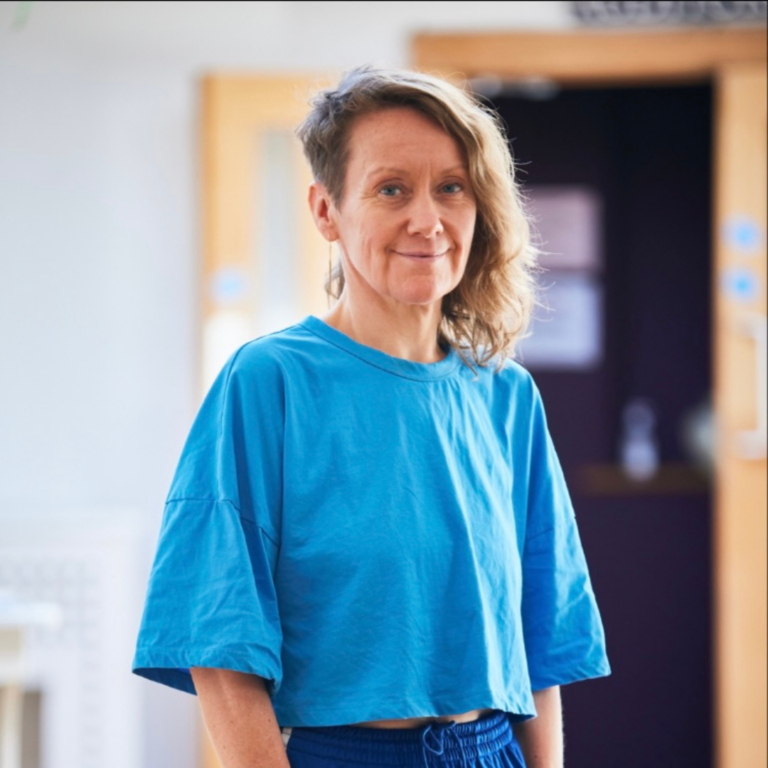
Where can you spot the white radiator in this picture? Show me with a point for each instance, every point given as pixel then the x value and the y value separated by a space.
pixel 92 564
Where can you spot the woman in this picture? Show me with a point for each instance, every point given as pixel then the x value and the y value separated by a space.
pixel 368 543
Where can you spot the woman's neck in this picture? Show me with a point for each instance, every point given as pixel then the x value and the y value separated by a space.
pixel 405 331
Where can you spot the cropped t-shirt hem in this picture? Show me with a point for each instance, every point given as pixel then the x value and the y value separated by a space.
pixel 397 709
pixel 171 667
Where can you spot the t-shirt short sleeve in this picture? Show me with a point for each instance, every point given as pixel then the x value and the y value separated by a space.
pixel 211 599
pixel 563 631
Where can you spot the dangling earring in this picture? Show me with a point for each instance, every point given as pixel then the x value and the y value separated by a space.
pixel 330 274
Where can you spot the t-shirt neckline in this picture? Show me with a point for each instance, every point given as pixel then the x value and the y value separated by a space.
pixel 396 365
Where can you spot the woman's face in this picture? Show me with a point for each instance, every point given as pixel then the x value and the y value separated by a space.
pixel 406 221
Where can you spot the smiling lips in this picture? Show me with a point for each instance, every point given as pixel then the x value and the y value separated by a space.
pixel 420 255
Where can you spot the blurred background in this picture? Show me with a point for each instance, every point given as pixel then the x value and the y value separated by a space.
pixel 152 218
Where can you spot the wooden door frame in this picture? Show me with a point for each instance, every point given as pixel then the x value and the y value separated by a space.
pixel 628 58
pixel 599 58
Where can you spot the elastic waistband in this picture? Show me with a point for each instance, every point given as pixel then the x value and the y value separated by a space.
pixel 451 741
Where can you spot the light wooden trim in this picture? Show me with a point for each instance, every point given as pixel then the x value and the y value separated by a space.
pixel 740 529
pixel 589 57
pixel 234 109
pixel 226 185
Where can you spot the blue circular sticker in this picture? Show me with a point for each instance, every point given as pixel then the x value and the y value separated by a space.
pixel 228 285
pixel 740 284
pixel 744 234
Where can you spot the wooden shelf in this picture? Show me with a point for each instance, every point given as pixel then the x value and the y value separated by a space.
pixel 670 479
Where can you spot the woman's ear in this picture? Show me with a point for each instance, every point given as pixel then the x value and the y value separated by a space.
pixel 323 210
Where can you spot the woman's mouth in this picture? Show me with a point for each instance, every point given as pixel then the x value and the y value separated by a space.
pixel 421 255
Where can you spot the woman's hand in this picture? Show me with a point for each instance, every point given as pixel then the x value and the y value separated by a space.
pixel 239 717
pixel 541 739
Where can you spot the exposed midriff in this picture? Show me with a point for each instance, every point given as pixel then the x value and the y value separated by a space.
pixel 418 722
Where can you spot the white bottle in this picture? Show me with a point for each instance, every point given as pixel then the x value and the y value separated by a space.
pixel 638 448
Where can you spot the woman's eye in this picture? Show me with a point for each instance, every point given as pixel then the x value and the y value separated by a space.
pixel 452 187
pixel 390 190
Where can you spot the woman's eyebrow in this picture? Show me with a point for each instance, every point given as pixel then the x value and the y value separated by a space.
pixel 385 170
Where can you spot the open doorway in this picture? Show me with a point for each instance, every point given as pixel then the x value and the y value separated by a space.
pixel 643 158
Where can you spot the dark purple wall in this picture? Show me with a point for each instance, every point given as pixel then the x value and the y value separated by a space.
pixel 648 150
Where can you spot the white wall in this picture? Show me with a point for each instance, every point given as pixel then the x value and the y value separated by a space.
pixel 99 233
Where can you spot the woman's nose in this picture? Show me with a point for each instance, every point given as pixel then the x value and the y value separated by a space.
pixel 424 217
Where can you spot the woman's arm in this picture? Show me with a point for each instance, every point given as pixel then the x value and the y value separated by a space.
pixel 239 717
pixel 541 739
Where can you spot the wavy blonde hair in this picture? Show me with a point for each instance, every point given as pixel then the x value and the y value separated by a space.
pixel 491 307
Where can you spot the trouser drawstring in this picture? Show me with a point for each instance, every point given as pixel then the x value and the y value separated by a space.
pixel 438 735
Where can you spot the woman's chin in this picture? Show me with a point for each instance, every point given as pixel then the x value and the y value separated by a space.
pixel 418 297
pixel 420 291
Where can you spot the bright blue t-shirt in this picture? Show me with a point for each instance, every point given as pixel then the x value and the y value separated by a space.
pixel 378 538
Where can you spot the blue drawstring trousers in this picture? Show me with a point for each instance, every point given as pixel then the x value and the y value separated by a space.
pixel 485 743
